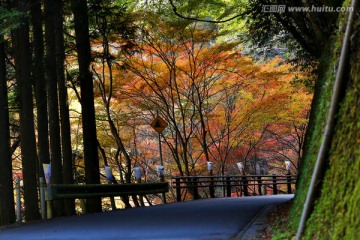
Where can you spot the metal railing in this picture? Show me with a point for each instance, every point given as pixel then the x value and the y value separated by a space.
pixel 227 186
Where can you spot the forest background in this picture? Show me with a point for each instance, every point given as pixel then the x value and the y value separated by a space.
pixel 81 81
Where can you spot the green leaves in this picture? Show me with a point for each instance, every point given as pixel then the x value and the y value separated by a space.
pixel 9 20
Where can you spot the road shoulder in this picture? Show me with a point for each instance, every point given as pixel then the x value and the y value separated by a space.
pixel 255 227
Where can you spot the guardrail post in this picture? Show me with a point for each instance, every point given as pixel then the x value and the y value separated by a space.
pixel 288 177
pixel 162 179
pixel 178 189
pixel 42 198
pixel 49 205
pixel 195 188
pixel 259 184
pixel 275 190
pixel 211 187
pixel 228 187
pixel 245 185
pixel 18 201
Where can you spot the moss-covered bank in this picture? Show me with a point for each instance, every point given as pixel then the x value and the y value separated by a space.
pixel 336 213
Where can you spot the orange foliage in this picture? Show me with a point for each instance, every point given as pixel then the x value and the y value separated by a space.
pixel 212 96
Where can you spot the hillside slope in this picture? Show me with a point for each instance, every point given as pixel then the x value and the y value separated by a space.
pixel 336 213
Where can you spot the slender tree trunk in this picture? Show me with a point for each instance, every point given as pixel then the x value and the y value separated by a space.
pixel 64 107
pixel 92 172
pixel 203 134
pixel 106 96
pixel 7 210
pixel 27 132
pixel 40 84
pixel 200 110
pixel 52 98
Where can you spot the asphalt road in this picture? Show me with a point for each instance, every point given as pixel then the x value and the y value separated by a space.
pixel 222 218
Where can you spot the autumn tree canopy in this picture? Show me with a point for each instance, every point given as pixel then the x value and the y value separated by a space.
pixel 84 79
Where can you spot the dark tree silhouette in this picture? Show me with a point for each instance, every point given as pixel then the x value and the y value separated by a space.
pixel 27 132
pixel 92 173
pixel 7 210
pixel 63 103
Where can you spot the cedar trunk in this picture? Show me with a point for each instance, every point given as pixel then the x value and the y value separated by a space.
pixel 64 107
pixel 92 173
pixel 27 132
pixel 52 98
pixel 40 85
pixel 7 210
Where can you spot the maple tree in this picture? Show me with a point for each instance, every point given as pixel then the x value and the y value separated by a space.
pixel 215 99
pixel 177 84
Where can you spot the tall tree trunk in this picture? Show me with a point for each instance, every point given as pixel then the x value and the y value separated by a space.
pixel 40 84
pixel 64 107
pixel 7 210
pixel 52 98
pixel 92 172
pixel 27 132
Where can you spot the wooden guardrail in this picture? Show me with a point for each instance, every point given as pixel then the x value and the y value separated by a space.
pixel 72 191
pixel 247 185
pixel 77 191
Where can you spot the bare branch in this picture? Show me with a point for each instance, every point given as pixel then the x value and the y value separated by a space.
pixel 203 20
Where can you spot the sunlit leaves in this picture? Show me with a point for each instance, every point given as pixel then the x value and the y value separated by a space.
pixel 213 97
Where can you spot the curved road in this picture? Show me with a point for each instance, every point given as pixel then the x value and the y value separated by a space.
pixel 221 218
